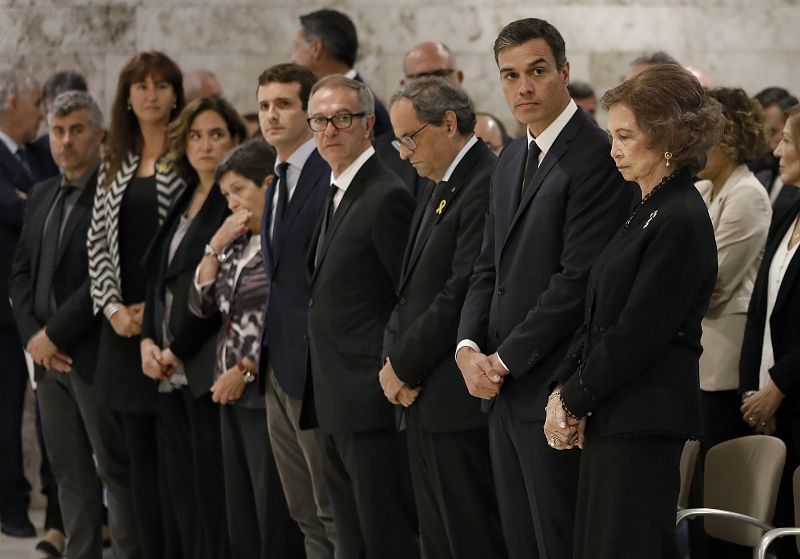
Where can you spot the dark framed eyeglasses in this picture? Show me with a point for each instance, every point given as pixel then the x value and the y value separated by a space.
pixel 339 121
pixel 408 141
pixel 441 73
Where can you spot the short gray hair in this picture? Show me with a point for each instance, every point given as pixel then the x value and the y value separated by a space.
pixel 366 99
pixel 70 101
pixel 14 82
pixel 432 97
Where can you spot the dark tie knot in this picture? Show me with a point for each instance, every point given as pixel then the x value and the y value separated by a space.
pixel 282 169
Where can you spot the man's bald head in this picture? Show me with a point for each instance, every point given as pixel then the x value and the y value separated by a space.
pixel 431 59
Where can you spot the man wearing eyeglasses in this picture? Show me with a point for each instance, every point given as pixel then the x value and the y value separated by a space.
pixel 294 202
pixel 354 265
pixel 447 434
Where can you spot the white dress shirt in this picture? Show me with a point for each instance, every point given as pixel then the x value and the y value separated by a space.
pixel 296 163
pixel 343 181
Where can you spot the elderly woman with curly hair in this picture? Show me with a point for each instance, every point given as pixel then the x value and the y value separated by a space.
pixel 740 211
pixel 629 392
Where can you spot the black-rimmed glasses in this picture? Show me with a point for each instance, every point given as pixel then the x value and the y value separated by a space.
pixel 339 121
pixel 408 141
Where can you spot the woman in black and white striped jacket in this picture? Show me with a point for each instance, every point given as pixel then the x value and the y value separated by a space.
pixel 135 189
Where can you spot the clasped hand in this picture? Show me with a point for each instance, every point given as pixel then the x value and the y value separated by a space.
pixel 758 409
pixel 45 353
pixel 127 321
pixel 395 390
pixel 561 431
pixel 483 374
pixel 157 363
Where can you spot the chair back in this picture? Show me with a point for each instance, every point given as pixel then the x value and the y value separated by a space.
pixel 742 475
pixel 688 461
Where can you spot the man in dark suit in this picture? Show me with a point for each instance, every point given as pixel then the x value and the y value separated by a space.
pixel 556 200
pixel 22 164
pixel 327 42
pixel 428 59
pixel 293 205
pixel 354 265
pixel 53 311
pixel 447 434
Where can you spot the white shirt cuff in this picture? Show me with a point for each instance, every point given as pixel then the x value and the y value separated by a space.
pixel 473 345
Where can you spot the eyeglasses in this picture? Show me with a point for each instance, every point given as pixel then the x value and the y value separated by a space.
pixel 442 73
pixel 408 141
pixel 339 121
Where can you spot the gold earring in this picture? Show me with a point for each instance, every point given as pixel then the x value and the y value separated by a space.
pixel 667 156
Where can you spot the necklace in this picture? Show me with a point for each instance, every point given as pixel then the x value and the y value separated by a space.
pixel 647 196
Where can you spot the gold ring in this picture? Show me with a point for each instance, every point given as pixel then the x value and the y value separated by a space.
pixel 553 441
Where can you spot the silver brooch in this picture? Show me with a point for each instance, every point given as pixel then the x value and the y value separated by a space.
pixel 649 219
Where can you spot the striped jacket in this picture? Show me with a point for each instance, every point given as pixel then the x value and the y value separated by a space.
pixel 103 238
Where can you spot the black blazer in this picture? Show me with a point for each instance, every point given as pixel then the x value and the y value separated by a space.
pixel 527 290
pixel 194 337
pixel 784 321
pixel 420 338
pixel 634 364
pixel 383 124
pixel 12 208
pixel 352 295
pixel 284 343
pixel 74 328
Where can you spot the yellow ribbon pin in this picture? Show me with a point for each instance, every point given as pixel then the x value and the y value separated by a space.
pixel 440 209
pixel 163 167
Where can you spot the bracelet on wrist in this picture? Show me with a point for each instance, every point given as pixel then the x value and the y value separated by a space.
pixel 110 310
pixel 247 374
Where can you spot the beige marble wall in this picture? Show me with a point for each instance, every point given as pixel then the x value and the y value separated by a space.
pixel 737 42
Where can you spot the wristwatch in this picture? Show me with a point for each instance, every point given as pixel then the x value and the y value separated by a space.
pixel 248 375
pixel 209 251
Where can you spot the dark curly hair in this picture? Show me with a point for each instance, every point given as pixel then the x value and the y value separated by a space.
pixel 672 108
pixel 745 135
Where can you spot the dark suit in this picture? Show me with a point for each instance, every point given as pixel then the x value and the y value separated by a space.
pixel 525 302
pixel 189 425
pixel 447 432
pixel 352 294
pixel 14 488
pixel 70 416
pixel 634 365
pixel 284 354
pixel 785 334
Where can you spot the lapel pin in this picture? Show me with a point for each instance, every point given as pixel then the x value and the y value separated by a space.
pixel 440 209
pixel 649 219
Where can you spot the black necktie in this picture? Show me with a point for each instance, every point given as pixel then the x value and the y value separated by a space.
pixel 43 303
pixel 283 196
pixel 326 220
pixel 22 156
pixel 531 166
pixel 429 213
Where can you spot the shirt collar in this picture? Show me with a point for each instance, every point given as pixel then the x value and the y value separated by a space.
pixel 547 138
pixel 347 176
pixel 10 144
pixel 300 155
pixel 81 182
pixel 471 142
pixel 351 73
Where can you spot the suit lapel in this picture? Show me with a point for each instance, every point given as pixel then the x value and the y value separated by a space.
pixel 310 176
pixel 16 173
pixel 416 221
pixel 37 222
pixel 82 206
pixel 556 151
pixel 352 193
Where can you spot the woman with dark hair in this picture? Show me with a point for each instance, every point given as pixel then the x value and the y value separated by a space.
pixel 740 211
pixel 177 348
pixel 135 188
pixel 232 280
pixel 628 389
pixel 770 362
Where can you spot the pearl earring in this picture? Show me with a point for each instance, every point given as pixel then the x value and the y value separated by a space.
pixel 667 156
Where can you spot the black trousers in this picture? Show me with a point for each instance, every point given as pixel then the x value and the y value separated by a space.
pixel 536 487
pixel 627 497
pixel 454 493
pixel 134 440
pixel 14 488
pixel 370 489
pixel 259 525
pixel 191 461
